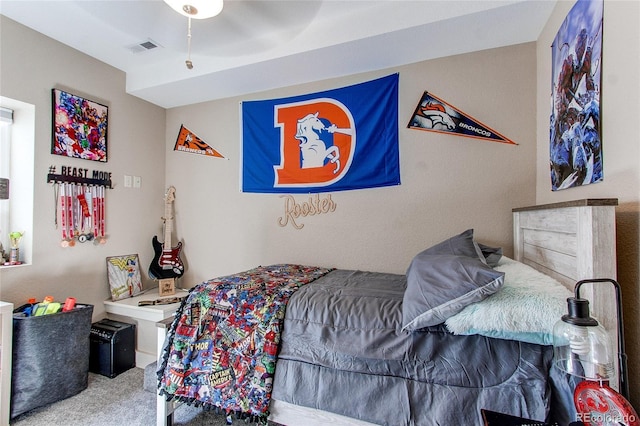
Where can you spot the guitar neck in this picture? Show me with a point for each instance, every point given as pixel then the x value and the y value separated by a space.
pixel 168 226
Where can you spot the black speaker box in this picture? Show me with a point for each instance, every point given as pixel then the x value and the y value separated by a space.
pixel 113 347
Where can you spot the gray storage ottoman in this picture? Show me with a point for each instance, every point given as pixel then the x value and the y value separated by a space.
pixel 50 357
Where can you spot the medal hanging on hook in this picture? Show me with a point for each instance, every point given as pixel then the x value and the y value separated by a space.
pixel 99 219
pixel 96 214
pixel 66 214
pixel 94 208
pixel 84 216
pixel 80 213
pixel 63 213
pixel 70 219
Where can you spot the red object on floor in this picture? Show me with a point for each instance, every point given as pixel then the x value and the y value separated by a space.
pixel 598 404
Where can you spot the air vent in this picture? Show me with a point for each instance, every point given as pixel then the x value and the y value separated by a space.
pixel 144 46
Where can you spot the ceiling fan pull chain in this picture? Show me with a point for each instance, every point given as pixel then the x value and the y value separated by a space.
pixel 188 61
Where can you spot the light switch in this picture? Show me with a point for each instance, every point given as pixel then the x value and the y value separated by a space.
pixel 127 181
pixel 137 181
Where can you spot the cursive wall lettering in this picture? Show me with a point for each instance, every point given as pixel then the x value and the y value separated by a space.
pixel 293 210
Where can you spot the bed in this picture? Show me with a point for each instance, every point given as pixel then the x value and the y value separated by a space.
pixel 358 348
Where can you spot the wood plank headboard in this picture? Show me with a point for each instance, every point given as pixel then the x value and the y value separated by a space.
pixel 569 241
pixel 573 241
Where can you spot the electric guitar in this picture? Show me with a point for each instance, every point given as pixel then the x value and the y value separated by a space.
pixel 166 262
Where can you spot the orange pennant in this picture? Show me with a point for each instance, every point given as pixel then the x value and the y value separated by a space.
pixel 188 142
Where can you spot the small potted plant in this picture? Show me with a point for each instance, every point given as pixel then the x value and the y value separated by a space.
pixel 14 256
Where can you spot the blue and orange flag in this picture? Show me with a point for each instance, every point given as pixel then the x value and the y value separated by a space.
pixel 188 142
pixel 335 140
pixel 435 115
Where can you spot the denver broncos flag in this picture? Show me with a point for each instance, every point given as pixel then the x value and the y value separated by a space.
pixel 335 140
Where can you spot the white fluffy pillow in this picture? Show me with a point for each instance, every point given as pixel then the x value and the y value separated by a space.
pixel 525 308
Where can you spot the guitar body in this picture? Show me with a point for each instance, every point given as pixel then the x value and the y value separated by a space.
pixel 166 263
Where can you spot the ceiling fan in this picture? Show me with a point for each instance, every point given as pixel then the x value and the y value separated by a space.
pixel 197 9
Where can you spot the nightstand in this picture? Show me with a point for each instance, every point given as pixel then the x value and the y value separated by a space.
pixel 145 318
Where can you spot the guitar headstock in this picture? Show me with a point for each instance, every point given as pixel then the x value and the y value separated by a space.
pixel 170 196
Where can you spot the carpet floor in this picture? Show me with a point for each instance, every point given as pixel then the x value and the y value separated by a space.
pixel 120 401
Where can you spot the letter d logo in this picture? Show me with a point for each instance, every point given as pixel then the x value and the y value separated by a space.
pixel 317 142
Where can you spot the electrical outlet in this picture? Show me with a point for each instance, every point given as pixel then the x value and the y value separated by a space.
pixel 137 181
pixel 127 181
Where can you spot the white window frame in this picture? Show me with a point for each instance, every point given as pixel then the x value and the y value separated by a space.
pixel 6 120
pixel 21 179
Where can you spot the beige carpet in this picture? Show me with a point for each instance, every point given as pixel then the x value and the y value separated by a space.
pixel 120 401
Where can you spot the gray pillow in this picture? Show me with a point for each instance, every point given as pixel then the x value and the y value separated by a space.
pixel 461 245
pixel 444 279
pixel 492 255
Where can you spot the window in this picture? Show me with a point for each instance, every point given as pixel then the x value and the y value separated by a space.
pixel 17 136
pixel 6 120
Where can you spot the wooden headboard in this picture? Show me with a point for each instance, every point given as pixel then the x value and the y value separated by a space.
pixel 573 241
pixel 569 241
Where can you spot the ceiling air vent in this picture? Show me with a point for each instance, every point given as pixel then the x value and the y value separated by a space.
pixel 145 46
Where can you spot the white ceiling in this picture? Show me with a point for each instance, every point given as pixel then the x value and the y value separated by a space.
pixel 259 45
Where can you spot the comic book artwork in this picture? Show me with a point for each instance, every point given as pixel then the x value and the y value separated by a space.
pixel 575 136
pixel 79 127
pixel 123 273
pixel 221 348
pixel 188 141
pixel 435 115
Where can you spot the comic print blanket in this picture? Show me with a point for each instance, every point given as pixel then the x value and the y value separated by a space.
pixel 221 348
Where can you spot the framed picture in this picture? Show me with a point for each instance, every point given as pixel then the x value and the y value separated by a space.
pixel 79 127
pixel 123 273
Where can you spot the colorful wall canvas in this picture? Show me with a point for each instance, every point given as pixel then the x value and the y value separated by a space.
pixel 335 140
pixel 575 134
pixel 79 127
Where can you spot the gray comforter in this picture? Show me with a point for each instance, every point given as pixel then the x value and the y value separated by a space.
pixel 343 351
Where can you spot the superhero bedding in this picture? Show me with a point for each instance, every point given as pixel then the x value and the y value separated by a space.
pixel 459 332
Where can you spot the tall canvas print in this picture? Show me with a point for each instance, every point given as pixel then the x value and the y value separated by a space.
pixel 575 133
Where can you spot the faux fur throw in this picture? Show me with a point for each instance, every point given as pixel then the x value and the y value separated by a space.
pixel 525 308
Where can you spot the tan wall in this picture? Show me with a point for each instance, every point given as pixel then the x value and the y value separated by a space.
pixel 620 109
pixel 443 177
pixel 449 183
pixel 31 66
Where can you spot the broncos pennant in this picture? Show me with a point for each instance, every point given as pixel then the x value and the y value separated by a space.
pixel 335 140
pixel 435 115
pixel 188 142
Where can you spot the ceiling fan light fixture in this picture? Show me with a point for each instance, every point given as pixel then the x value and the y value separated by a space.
pixel 197 9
